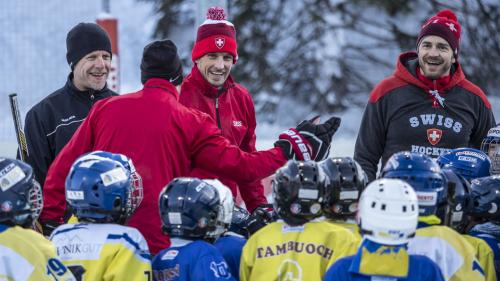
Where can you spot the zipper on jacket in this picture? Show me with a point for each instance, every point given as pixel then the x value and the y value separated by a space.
pixel 217 116
pixel 92 97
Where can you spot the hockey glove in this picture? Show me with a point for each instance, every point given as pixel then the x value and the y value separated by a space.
pixel 309 141
pixel 261 216
pixel 46 227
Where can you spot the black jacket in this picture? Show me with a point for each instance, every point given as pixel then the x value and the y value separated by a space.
pixel 400 116
pixel 51 123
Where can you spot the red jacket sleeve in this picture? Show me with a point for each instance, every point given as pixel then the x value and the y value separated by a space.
pixel 54 197
pixel 211 151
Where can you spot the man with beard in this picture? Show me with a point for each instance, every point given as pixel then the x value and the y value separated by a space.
pixel 51 123
pixel 427 106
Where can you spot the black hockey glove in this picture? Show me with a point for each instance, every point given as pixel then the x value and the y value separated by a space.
pixel 46 227
pixel 261 216
pixel 309 140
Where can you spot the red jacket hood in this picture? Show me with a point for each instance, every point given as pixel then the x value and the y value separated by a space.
pixel 406 75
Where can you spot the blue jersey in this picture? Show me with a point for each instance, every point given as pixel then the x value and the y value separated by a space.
pixel 421 268
pixel 230 247
pixel 490 233
pixel 190 260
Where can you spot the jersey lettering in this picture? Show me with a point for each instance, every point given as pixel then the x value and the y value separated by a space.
pixel 435 120
pixel 298 247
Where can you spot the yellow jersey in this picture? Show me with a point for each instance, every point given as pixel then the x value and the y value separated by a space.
pixel 282 252
pixel 27 255
pixel 103 251
pixel 484 255
pixel 449 250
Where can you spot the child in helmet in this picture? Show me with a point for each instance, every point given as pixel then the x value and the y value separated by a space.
pixel 459 203
pixel 102 196
pixel 491 146
pixel 300 245
pixel 454 255
pixel 230 244
pixel 346 182
pixel 194 214
pixel 486 215
pixel 25 254
pixel 388 215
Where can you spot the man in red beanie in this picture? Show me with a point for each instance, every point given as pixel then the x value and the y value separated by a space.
pixel 427 106
pixel 210 88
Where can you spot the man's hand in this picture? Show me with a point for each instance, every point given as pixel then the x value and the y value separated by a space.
pixel 309 140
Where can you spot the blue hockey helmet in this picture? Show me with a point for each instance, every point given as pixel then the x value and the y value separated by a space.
pixel 491 146
pixel 346 182
pixel 299 192
pixel 425 176
pixel 20 194
pixel 135 177
pixel 100 190
pixel 470 163
pixel 485 193
pixel 189 208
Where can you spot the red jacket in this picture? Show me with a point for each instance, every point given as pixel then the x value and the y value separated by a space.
pixel 233 110
pixel 164 139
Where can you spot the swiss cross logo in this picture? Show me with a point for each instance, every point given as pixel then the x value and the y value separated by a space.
pixel 434 135
pixel 452 27
pixel 220 42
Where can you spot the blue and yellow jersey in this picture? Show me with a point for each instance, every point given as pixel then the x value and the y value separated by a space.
pixel 449 250
pixel 27 255
pixel 374 261
pixel 103 251
pixel 490 233
pixel 188 260
pixel 282 252
pixel 484 255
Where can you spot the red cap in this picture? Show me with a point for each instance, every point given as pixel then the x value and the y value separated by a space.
pixel 444 24
pixel 215 35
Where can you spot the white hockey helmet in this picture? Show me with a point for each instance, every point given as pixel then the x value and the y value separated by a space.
pixel 388 212
pixel 226 207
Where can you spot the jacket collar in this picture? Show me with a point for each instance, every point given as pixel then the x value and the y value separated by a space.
pixel 407 66
pixel 206 88
pixel 87 94
pixel 163 84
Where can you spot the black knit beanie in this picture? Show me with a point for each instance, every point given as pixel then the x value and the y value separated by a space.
pixel 160 60
pixel 84 39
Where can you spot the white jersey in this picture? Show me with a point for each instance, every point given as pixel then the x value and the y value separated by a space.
pixel 103 251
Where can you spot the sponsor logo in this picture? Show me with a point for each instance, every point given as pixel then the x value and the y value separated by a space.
pixel 170 255
pixel 296 247
pixel 472 154
pixel 434 135
pixel 237 123
pixel 300 144
pixel 167 274
pixel 220 42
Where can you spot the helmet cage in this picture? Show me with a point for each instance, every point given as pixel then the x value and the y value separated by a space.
pixel 491 146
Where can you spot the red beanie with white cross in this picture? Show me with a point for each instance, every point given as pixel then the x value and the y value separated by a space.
pixel 215 35
pixel 445 25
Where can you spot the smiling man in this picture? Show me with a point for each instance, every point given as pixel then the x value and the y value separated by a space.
pixel 427 106
pixel 51 123
pixel 210 88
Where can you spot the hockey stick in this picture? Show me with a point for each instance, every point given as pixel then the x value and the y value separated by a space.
pixel 18 126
